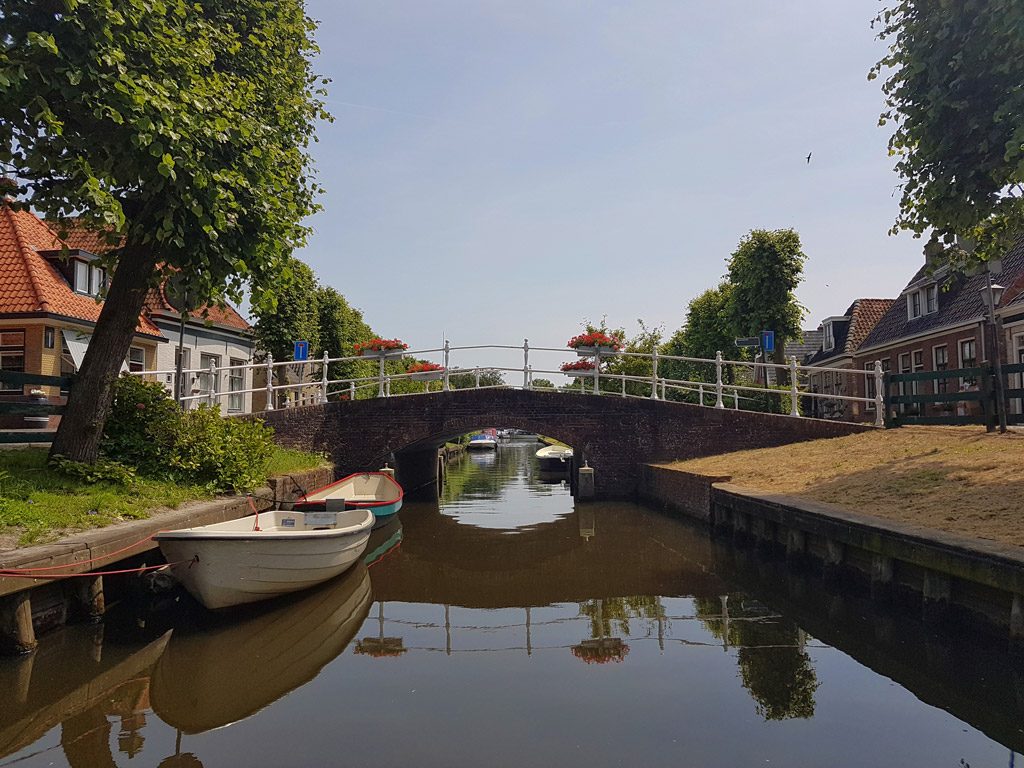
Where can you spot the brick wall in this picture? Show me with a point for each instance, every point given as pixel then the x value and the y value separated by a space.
pixel 616 436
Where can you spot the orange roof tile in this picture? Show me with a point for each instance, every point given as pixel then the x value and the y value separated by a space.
pixel 30 283
pixel 157 301
pixel 865 316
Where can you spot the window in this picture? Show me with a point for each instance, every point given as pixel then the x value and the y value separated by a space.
pixel 830 339
pixel 208 384
pixel 81 276
pixel 940 358
pixel 968 359
pixel 185 385
pixel 236 383
pixel 49 337
pixel 915 304
pixel 12 357
pixel 97 280
pixel 870 391
pixel 136 359
pixel 931 299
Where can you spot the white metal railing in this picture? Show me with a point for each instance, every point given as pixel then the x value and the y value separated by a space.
pixel 727 388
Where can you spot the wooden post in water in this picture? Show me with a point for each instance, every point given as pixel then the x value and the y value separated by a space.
pixel 89 603
pixel 16 632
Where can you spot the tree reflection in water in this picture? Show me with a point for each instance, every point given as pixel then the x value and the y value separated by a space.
pixel 774 666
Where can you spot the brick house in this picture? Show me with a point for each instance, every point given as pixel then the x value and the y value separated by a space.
pixel 841 336
pixel 49 307
pixel 939 323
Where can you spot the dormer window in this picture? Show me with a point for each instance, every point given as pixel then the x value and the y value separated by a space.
pixel 89 278
pixel 922 301
pixel 830 338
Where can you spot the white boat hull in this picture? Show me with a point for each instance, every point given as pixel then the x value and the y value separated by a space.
pixel 482 445
pixel 222 566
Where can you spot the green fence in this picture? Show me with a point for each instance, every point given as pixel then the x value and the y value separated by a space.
pixel 15 408
pixel 972 401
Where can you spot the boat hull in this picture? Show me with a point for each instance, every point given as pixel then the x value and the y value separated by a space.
pixel 383 514
pixel 482 445
pixel 224 571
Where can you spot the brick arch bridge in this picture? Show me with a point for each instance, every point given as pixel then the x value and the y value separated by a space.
pixel 615 435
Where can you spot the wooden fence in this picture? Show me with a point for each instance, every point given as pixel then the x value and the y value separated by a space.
pixel 16 408
pixel 958 396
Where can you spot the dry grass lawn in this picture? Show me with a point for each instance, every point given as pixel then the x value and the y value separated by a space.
pixel 957 479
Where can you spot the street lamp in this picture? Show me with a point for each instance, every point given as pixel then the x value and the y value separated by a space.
pixel 991 295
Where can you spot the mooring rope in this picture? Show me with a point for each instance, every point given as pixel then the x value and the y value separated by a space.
pixel 15 574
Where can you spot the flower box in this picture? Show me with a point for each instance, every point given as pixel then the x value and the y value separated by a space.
pixel 580 374
pixel 596 351
pixel 385 353
pixel 381 348
pixel 426 375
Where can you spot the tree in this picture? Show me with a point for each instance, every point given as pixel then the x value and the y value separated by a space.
pixel 954 93
pixel 644 342
pixel 340 327
pixel 707 331
pixel 543 384
pixel 181 130
pixel 465 378
pixel 764 271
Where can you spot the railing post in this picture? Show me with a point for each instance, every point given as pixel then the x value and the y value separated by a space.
pixel 351 390
pixel 597 373
pixel 879 395
pixel 623 385
pixel 526 363
pixel 529 378
pixel 324 379
pixel 663 385
pixel 211 396
pixel 700 393
pixel 445 387
pixel 476 371
pixel 270 382
pixel 387 386
pixel 654 374
pixel 735 399
pixel 793 391
pixel 380 376
pixel 718 381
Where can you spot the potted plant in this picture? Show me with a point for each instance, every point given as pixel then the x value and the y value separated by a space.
pixel 579 368
pixel 425 371
pixel 380 348
pixel 37 420
pixel 594 343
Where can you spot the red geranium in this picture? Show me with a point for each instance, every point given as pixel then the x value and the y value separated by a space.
pixel 424 366
pixel 379 345
pixel 594 339
pixel 578 365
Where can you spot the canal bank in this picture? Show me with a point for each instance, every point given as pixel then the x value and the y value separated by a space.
pixel 945 575
pixel 33 605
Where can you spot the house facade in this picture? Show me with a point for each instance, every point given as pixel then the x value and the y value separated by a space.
pixel 939 323
pixel 49 307
pixel 841 335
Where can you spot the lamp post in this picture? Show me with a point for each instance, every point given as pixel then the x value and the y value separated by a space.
pixel 991 295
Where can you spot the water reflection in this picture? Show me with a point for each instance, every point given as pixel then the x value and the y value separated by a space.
pixel 504 622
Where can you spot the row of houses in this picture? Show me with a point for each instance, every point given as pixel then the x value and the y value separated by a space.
pixel 940 321
pixel 49 289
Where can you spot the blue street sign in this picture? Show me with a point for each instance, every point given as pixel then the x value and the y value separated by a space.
pixel 301 352
pixel 767 341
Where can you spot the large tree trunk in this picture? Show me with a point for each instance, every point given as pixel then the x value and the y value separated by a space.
pixel 80 430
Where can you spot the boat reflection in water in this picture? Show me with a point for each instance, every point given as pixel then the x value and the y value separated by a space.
pixel 235 667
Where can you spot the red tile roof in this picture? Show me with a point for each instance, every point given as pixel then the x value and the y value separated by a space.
pixel 865 316
pixel 30 283
pixel 157 301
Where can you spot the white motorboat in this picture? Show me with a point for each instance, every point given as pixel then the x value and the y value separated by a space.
pixel 554 458
pixel 483 442
pixel 266 555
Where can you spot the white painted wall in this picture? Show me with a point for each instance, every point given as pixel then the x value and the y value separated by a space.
pixel 201 340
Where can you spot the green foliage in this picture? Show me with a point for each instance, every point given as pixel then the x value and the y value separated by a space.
pixel 463 379
pixel 341 327
pixel 774 399
pixel 183 127
pixel 644 342
pixel 708 330
pixel 219 453
pixel 151 435
pixel 102 471
pixel 764 271
pixel 954 93
pixel 543 384
pixel 293 318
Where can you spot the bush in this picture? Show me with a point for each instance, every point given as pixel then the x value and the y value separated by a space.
pixel 147 432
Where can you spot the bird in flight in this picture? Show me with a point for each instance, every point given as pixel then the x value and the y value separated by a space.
pixel 809 157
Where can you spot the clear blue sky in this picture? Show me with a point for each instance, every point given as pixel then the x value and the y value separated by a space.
pixel 501 169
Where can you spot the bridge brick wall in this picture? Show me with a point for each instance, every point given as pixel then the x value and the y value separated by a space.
pixel 617 436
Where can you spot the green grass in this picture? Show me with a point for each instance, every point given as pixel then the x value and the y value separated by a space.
pixel 36 502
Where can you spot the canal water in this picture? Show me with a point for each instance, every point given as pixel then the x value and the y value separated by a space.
pixel 502 626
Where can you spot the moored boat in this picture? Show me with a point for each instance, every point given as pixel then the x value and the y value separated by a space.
pixel 270 554
pixel 482 442
pixel 375 491
pixel 554 458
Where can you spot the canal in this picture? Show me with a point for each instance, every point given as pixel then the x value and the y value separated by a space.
pixel 502 626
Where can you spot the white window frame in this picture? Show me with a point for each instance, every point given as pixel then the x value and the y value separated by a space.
pixel 869 387
pixel 931 299
pixel 97 280
pixel 13 351
pixel 81 276
pixel 133 363
pixel 960 356
pixel 236 376
pixel 830 338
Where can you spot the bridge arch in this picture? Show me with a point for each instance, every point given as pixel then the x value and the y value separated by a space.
pixel 615 435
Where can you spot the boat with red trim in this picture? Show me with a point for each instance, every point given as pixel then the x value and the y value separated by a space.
pixel 375 491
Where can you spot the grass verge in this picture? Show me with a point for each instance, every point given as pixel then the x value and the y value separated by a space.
pixel 956 479
pixel 37 503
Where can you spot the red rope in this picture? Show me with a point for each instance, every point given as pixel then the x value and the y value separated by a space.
pixel 141 569
pixel 10 571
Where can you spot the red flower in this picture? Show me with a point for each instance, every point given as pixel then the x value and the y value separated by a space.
pixel 594 339
pixel 424 366
pixel 140 406
pixel 379 345
pixel 578 365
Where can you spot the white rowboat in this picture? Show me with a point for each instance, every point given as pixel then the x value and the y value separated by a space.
pixel 554 458
pixel 237 562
